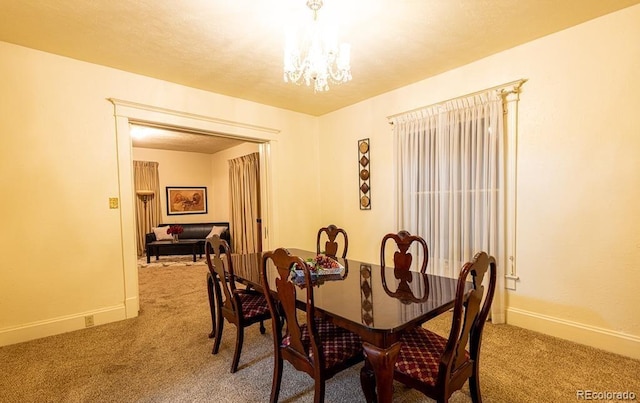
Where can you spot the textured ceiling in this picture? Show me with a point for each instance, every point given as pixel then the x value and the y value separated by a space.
pixel 234 47
pixel 179 140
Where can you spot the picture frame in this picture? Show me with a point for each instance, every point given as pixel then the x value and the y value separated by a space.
pixel 186 200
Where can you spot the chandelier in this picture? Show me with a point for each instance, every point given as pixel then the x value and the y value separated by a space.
pixel 317 58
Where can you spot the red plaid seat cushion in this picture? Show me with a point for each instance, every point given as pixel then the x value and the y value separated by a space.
pixel 253 305
pixel 338 344
pixel 420 355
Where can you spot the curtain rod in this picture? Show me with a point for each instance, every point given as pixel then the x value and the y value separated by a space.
pixel 517 83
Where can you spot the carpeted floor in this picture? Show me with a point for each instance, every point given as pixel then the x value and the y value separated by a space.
pixel 164 355
pixel 171 261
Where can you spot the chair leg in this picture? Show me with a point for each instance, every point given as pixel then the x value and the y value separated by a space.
pixel 262 329
pixel 212 305
pixel 236 354
pixel 318 393
pixel 277 378
pixel 474 385
pixel 219 318
pixel 219 326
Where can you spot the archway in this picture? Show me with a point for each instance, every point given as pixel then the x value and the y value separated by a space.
pixel 125 113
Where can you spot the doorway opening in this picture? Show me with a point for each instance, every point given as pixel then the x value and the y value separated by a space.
pixel 226 170
pixel 128 113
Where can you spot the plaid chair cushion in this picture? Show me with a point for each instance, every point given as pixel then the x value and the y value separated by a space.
pixel 420 355
pixel 338 344
pixel 253 305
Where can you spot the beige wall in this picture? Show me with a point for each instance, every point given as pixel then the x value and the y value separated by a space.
pixel 60 163
pixel 178 168
pixel 578 221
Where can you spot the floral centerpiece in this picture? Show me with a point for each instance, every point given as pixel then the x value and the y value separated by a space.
pixel 175 230
pixel 321 264
pixel 322 267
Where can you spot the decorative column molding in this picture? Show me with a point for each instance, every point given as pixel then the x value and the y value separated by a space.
pixel 511 96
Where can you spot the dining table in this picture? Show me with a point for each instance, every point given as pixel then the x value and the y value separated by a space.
pixel 376 303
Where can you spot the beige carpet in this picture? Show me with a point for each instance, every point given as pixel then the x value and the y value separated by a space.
pixel 164 355
pixel 171 261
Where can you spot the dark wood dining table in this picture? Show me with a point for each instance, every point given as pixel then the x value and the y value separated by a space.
pixel 378 305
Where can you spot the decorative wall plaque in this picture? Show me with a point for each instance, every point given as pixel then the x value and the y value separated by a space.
pixel 364 174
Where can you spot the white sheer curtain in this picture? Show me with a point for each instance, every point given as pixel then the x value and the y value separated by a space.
pixel 450 182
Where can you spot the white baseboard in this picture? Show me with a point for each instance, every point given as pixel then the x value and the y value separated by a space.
pixel 132 306
pixel 604 339
pixel 63 324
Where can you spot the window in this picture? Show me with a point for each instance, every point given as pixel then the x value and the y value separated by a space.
pixel 454 181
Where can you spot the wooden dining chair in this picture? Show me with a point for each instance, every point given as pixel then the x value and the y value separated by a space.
pixel 402 258
pixel 438 366
pixel 331 246
pixel 242 307
pixel 317 347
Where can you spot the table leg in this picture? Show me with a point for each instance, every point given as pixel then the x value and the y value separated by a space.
pixel 382 362
pixel 194 250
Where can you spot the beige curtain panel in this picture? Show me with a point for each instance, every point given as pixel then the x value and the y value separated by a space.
pixel 244 184
pixel 147 186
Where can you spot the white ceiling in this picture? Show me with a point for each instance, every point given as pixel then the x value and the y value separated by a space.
pixel 234 47
pixel 179 140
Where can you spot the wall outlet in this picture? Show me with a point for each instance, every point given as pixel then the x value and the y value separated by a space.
pixel 510 282
pixel 88 321
pixel 113 202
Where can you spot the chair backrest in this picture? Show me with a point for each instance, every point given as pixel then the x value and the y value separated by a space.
pixel 221 270
pixel 286 300
pixel 469 313
pixel 331 246
pixel 402 258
